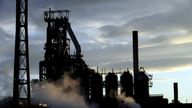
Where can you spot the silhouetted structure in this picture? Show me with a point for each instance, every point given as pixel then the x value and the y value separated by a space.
pixel 111 85
pixel 135 61
pixel 21 87
pixel 175 88
pixel 126 81
pixel 141 79
pixel 135 54
pixel 142 86
pixel 96 86
pixel 58 59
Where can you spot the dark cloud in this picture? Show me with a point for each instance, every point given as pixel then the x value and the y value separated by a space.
pixel 109 55
pixel 150 65
pixel 155 23
pixel 6 63
pixel 114 31
pixel 167 63
pixel 4 36
pixel 121 56
pixel 6 86
pixel 7 7
pixel 6 77
pixel 174 19
pixel 36 54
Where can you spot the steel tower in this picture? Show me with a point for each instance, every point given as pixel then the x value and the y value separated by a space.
pixel 57 48
pixel 58 59
pixel 21 87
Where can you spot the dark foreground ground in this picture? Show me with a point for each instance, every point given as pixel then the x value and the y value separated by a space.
pixel 110 103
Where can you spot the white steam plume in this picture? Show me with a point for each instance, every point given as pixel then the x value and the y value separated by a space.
pixel 64 94
pixel 127 102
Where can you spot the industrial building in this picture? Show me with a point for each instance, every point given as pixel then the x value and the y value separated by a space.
pixel 58 61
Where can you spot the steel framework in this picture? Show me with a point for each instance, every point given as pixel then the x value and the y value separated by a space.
pixel 58 59
pixel 21 87
pixel 57 48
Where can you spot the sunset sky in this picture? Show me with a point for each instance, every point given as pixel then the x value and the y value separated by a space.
pixel 104 30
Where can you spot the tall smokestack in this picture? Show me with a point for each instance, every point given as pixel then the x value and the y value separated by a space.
pixel 175 87
pixel 135 54
pixel 135 63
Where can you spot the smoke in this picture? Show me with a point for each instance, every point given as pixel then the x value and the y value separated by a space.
pixel 127 102
pixel 62 94
pixel 65 93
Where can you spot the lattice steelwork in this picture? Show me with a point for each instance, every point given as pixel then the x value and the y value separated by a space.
pixel 21 89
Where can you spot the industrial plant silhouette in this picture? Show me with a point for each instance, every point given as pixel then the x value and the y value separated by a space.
pixel 58 61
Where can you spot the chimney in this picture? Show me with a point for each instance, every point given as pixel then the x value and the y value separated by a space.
pixel 175 87
pixel 135 54
pixel 135 63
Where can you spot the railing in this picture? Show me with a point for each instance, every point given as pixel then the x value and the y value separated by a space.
pixel 54 15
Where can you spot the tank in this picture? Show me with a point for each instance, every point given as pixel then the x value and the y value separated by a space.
pixel 141 86
pixel 111 85
pixel 96 87
pixel 126 81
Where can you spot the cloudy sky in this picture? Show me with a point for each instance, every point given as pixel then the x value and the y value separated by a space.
pixel 103 28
